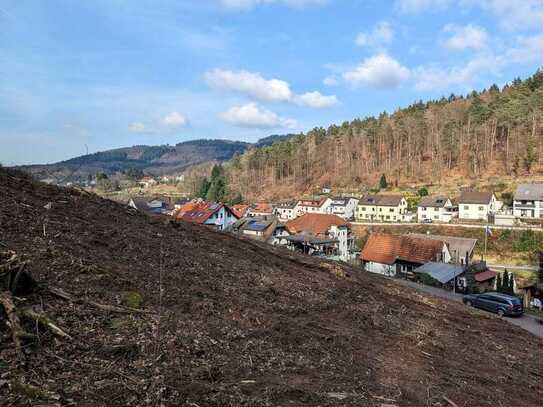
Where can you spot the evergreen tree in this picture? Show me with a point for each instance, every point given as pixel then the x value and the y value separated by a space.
pixel 470 279
pixel 530 157
pixel 511 284
pixel 499 283
pixel 204 188
pixel 383 182
pixel 505 282
pixel 423 191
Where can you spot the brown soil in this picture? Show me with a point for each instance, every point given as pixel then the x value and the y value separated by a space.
pixel 238 322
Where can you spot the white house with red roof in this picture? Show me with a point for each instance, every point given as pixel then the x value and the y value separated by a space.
pixel 215 215
pixel 314 205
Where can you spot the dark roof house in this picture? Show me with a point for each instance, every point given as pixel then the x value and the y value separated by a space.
pixel 475 197
pixel 435 201
pixel 529 192
pixel 381 200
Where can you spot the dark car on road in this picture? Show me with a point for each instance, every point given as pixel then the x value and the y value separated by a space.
pixel 501 304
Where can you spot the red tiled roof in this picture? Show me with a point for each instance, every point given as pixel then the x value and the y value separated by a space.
pixel 485 276
pixel 315 223
pixel 198 212
pixel 262 207
pixel 239 210
pixel 386 249
pixel 316 203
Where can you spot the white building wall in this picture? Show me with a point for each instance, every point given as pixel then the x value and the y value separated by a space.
pixel 380 268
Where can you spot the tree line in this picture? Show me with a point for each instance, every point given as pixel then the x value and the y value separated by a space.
pixel 496 130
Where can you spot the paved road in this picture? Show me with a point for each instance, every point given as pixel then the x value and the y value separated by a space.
pixel 528 322
pixel 452 225
pixel 526 267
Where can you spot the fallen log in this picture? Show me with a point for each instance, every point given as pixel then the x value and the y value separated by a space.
pixel 6 300
pixel 43 320
pixel 59 292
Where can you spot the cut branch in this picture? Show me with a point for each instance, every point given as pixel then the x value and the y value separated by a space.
pixel 6 300
pixel 43 320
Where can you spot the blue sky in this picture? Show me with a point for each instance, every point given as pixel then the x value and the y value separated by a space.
pixel 98 74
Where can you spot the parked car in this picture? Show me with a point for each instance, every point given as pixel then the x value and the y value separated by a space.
pixel 427 220
pixel 501 304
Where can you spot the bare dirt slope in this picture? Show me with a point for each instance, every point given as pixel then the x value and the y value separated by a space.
pixel 238 323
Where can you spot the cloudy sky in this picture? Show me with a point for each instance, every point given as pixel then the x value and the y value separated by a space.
pixel 81 76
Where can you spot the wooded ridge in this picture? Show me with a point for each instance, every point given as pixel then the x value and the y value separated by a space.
pixel 493 132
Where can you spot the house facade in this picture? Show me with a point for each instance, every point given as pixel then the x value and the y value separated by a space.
pixel 344 207
pixel 476 205
pixel 528 201
pixel 436 209
pixel 383 208
pixel 318 205
pixel 393 255
pixel 286 211
pixel 322 235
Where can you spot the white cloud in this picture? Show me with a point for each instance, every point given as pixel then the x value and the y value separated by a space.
pixel 175 119
pixel 418 6
pixel 381 34
pixel 440 79
pixel 316 99
pixel 378 71
pixel 250 84
pixel 330 80
pixel 256 87
pixel 464 37
pixel 136 127
pixel 249 4
pixel 251 115
pixel 513 15
pixel 528 49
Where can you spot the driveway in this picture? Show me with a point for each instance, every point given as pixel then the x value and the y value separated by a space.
pixel 528 322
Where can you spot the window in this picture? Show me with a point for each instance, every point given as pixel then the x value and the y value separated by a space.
pixel 364 209
pixel 424 208
pixel 388 217
pixel 436 209
pixel 481 208
pixel 380 209
pixel 391 210
pixel 466 207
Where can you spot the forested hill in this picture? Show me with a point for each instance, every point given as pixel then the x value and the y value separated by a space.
pixel 155 160
pixel 496 131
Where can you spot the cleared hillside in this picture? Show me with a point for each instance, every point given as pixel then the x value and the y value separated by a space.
pixel 232 322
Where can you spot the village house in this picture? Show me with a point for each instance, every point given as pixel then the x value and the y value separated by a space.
pixel 147 182
pixel 528 201
pixel 321 235
pixel 316 205
pixel 436 209
pixel 215 215
pixel 344 207
pixel 393 255
pixel 151 205
pixel 384 208
pixel 260 209
pixel 286 210
pixel 262 228
pixel 461 249
pixel 476 205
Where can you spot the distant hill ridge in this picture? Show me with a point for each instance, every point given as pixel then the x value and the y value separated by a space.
pixel 155 160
